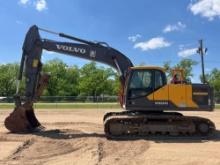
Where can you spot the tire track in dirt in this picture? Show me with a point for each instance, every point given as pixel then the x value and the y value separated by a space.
pixel 81 143
pixel 15 155
pixel 47 149
pixel 38 152
pixel 120 152
pixel 100 151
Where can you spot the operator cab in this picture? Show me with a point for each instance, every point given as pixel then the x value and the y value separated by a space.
pixel 143 81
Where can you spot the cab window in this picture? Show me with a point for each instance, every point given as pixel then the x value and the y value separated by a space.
pixel 158 79
pixel 141 83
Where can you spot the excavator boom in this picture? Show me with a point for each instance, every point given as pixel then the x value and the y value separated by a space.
pixel 22 119
pixel 34 45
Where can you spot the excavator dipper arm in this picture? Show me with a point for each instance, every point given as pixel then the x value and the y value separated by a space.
pixel 23 119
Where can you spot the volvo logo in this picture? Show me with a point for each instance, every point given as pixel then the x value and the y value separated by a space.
pixel 92 54
pixel 71 49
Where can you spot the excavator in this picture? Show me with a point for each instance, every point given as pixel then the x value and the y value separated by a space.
pixel 151 105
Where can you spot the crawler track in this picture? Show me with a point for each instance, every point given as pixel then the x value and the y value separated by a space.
pixel 132 124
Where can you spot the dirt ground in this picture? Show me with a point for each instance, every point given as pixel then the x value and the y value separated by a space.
pixel 76 137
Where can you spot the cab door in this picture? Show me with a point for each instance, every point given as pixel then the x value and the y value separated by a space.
pixel 160 95
pixel 140 85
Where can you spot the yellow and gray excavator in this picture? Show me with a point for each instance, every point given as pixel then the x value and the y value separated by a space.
pixel 152 105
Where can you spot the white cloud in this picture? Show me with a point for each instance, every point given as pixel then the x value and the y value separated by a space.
pixel 175 27
pixel 24 2
pixel 19 22
pixel 134 38
pixel 187 52
pixel 206 8
pixel 40 5
pixel 154 43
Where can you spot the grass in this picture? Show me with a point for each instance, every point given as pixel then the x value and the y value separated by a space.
pixel 72 105
pixel 66 105
pixel 217 106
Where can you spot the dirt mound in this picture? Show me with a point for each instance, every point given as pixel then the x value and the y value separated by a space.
pixel 32 149
pixel 120 151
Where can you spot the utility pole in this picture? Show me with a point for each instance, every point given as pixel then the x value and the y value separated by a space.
pixel 201 51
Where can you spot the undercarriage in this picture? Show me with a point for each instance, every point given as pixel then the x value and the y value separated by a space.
pixel 136 123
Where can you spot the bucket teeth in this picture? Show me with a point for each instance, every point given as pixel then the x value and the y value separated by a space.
pixel 22 120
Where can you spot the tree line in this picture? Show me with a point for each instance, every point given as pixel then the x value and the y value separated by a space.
pixel 89 80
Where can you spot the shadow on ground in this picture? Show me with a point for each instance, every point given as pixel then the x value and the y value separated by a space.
pixel 73 134
pixel 67 134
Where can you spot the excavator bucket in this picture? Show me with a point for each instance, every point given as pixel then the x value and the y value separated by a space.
pixel 22 120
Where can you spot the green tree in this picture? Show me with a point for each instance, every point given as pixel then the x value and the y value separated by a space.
pixel 71 85
pixel 185 64
pixel 168 68
pixel 116 85
pixel 95 81
pixel 213 78
pixel 8 79
pixel 63 80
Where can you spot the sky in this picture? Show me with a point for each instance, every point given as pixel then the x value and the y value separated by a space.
pixel 149 32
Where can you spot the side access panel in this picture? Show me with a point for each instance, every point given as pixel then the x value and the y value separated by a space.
pixel 203 96
pixel 191 97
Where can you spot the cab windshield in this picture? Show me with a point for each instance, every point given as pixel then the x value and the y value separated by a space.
pixel 144 82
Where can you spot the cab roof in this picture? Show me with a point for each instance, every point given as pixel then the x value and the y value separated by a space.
pixel 148 67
